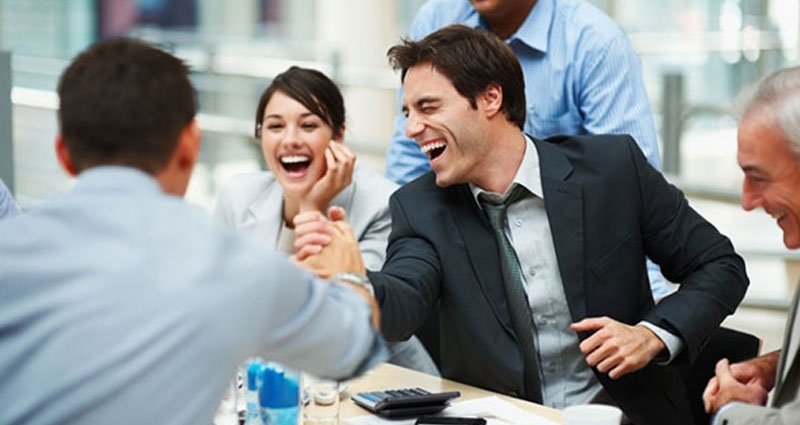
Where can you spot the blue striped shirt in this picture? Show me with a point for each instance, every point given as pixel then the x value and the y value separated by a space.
pixel 582 76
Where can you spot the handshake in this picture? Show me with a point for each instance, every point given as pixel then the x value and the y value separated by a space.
pixel 327 247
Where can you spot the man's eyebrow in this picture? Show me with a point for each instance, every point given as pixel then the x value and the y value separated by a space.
pixel 427 99
pixel 753 169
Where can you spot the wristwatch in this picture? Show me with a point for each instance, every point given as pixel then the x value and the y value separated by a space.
pixel 357 279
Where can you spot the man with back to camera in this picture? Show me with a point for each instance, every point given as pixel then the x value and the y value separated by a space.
pixel 581 73
pixel 565 316
pixel 123 304
pixel 768 147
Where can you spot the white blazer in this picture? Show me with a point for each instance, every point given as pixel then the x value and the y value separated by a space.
pixel 252 204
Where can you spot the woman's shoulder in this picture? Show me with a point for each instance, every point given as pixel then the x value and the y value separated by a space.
pixel 246 187
pixel 250 181
pixel 368 182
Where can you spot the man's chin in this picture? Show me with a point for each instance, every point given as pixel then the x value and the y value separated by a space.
pixel 791 236
pixel 791 242
pixel 444 181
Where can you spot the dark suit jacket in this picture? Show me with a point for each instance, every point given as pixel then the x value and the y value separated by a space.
pixel 607 209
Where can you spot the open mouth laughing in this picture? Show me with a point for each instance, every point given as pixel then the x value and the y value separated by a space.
pixel 433 149
pixel 295 163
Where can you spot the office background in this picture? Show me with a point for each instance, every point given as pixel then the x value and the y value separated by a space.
pixel 696 55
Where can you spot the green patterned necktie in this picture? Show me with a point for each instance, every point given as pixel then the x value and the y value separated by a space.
pixel 515 293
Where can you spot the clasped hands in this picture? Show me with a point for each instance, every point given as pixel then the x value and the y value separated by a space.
pixel 313 231
pixel 748 382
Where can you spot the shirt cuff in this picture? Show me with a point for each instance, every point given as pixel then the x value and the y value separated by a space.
pixel 674 344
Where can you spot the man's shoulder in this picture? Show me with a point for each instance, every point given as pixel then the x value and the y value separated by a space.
pixel 599 148
pixel 423 192
pixel 435 14
pixel 589 141
pixel 588 23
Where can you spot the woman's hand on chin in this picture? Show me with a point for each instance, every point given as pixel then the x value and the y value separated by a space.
pixel 340 162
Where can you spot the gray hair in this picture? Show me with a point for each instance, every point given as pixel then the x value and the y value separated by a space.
pixel 777 94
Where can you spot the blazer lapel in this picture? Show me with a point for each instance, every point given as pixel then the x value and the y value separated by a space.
pixel 564 204
pixel 264 217
pixel 482 251
pixel 789 359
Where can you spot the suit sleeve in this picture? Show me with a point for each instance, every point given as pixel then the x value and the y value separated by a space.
pixel 692 253
pixel 408 285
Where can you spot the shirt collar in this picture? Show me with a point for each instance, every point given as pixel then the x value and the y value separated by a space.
pixel 533 31
pixel 128 179
pixel 528 175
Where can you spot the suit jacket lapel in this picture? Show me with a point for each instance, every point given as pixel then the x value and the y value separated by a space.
pixel 564 204
pixel 482 250
pixel 265 216
pixel 789 359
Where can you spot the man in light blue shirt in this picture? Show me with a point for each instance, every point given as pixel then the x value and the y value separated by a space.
pixel 122 304
pixel 8 207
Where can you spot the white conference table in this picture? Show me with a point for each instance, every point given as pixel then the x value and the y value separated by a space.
pixel 386 376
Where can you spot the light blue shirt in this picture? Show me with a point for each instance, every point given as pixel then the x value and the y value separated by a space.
pixel 582 76
pixel 8 207
pixel 566 378
pixel 120 304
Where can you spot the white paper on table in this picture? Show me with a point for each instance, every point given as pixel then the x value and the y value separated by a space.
pixel 495 410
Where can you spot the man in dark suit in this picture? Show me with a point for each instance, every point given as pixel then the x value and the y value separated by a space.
pixel 589 210
pixel 768 142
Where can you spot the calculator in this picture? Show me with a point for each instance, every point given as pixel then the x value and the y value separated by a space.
pixel 404 402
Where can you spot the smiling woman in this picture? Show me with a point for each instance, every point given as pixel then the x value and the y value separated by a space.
pixel 300 125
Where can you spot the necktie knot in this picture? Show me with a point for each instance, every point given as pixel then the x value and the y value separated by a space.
pixel 495 206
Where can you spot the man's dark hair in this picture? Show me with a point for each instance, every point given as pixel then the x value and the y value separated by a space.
pixel 124 102
pixel 312 89
pixel 472 59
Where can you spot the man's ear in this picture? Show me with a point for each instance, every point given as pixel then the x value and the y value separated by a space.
pixel 188 146
pixel 64 157
pixel 174 178
pixel 491 100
